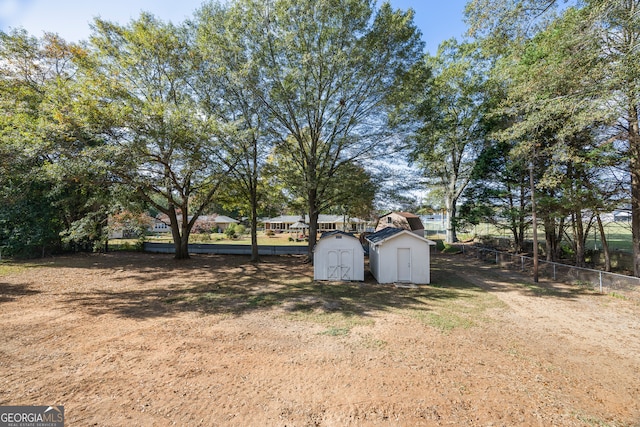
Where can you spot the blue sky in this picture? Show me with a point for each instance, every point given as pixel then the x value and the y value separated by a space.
pixel 437 19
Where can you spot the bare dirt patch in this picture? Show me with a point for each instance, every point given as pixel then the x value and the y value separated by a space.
pixel 139 339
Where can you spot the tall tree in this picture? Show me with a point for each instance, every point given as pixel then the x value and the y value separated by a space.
pixel 327 70
pixel 162 136
pixel 499 192
pixel 555 100
pixel 351 189
pixel 451 136
pixel 617 27
pixel 227 60
pixel 620 25
pixel 53 197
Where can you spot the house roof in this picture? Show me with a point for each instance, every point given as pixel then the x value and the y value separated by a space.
pixel 404 214
pixel 413 220
pixel 222 219
pixel 391 232
pixel 322 219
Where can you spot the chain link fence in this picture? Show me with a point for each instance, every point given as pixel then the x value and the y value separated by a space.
pixel 601 281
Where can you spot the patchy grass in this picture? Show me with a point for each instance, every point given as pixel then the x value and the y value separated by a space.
pixel 449 304
pixel 7 268
pixel 539 290
pixel 336 332
pixel 280 239
pixel 241 287
pixel 460 304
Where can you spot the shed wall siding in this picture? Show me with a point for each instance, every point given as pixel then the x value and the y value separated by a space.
pixel 383 259
pixel 346 251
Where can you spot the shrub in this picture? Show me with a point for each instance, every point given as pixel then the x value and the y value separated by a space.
pixel 230 231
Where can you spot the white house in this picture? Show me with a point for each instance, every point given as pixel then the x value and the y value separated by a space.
pixel 397 255
pixel 338 256
pixel 325 223
pixel 161 224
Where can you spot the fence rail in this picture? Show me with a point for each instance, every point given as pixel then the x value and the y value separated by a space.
pixel 601 281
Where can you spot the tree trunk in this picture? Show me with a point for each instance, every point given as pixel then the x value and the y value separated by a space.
pixel 180 234
pixel 254 228
pixel 313 231
pixel 634 167
pixel 549 238
pixel 312 207
pixel 182 248
pixel 553 237
pixel 520 225
pixel 578 238
pixel 605 245
pixel 253 193
pixel 513 223
pixel 534 223
pixel 450 224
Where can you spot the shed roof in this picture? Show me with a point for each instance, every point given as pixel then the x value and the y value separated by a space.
pixel 338 234
pixel 334 232
pixel 391 232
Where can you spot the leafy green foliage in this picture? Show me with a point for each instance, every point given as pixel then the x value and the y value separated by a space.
pixel 160 134
pixel 327 71
pixel 48 184
pixel 451 134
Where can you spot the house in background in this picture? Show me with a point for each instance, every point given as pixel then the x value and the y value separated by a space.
pixel 221 221
pixel 402 220
pixel 397 255
pixel 338 256
pixel 325 223
pixel 161 223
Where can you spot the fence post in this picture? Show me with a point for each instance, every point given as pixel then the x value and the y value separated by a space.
pixel 521 263
pixel 600 274
pixel 497 260
pixel 554 271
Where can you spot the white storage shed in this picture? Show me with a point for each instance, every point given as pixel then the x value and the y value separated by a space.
pixel 338 256
pixel 399 256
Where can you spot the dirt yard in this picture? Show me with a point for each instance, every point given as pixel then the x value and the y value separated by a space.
pixel 142 340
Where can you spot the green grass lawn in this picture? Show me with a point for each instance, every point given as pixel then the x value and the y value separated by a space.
pixel 618 235
pixel 281 239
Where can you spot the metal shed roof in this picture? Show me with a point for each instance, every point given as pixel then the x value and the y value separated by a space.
pixel 391 232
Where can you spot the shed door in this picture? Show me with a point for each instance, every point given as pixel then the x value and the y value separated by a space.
pixel 339 264
pixel 404 264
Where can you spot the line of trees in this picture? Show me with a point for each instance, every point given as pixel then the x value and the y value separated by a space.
pixel 570 78
pixel 246 98
pixel 545 92
pixel 251 101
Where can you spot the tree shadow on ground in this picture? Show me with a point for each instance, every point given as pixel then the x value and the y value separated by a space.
pixel 11 292
pixel 234 286
pixel 493 278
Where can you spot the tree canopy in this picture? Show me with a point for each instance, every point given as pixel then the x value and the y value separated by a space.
pixel 261 106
